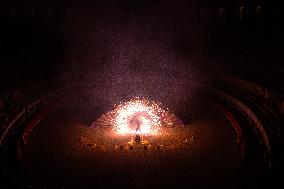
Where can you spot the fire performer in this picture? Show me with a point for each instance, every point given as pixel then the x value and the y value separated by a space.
pixel 138 127
pixel 137 139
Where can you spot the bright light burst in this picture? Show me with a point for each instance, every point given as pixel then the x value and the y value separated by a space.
pixel 138 116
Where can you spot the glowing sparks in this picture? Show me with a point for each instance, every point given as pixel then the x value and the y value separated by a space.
pixel 138 116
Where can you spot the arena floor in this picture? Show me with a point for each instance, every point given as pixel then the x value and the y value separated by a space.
pixel 63 151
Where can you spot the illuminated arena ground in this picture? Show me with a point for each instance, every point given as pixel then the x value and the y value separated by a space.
pixel 71 153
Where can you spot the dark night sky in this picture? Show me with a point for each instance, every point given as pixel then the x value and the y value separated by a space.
pixel 160 50
pixel 188 28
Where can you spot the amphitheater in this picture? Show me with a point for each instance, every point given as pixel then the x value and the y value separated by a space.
pixel 224 82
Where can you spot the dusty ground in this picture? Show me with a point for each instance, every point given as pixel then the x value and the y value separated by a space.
pixel 64 151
